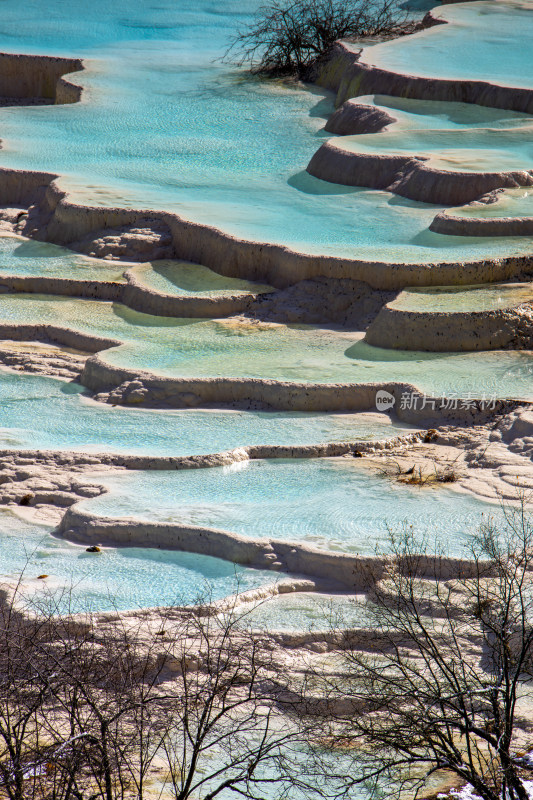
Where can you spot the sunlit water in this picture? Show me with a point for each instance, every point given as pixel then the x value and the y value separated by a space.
pixel 510 203
pixel 486 41
pixel 463 298
pixel 332 503
pixel 26 257
pixel 184 278
pixel 29 258
pixel 411 114
pixel 125 578
pixel 165 124
pixel 475 150
pixel 243 348
pixel 44 413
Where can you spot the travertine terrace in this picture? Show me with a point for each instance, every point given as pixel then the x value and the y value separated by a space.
pixel 369 256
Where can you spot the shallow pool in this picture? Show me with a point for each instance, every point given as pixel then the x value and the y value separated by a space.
pixel 45 413
pixel 184 278
pixel 246 348
pixel 27 257
pixel 333 503
pixel 164 124
pixel 487 41
pixel 125 578
pixel 464 298
pixel 510 203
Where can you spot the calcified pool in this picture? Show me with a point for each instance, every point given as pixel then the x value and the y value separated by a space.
pixel 483 150
pixel 464 298
pixel 182 278
pixel 164 124
pixel 122 578
pixel 330 503
pixel 510 203
pixel 246 348
pixel 489 42
pixel 68 419
pixel 26 257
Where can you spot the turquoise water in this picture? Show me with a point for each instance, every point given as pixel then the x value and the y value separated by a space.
pixel 464 298
pixel 498 373
pixel 26 257
pixel 44 413
pixel 243 348
pixel 510 203
pixel 124 579
pixel 413 114
pixel 475 150
pixel 487 41
pixel 20 256
pixel 184 278
pixel 164 125
pixel 331 503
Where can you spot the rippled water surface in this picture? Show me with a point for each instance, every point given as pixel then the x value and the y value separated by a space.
pixel 487 41
pixel 27 257
pixel 124 578
pixel 38 412
pixel 333 503
pixel 233 348
pixel 165 124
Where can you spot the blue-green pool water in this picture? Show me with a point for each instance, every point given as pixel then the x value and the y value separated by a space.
pixel 124 578
pixel 245 348
pixel 45 413
pixel 331 503
pixel 27 257
pixel 509 203
pixel 164 124
pixel 483 297
pixel 184 278
pixel 485 40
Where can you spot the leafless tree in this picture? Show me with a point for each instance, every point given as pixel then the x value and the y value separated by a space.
pixel 287 37
pixel 446 683
pixel 26 687
pixel 96 708
pixel 228 730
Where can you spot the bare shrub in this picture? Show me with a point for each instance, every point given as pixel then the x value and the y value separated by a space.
pixel 447 686
pixel 100 707
pixel 287 37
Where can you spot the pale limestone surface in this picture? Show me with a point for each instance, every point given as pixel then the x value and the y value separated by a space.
pixel 52 216
pixel 417 177
pixel 492 460
pixel 499 329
